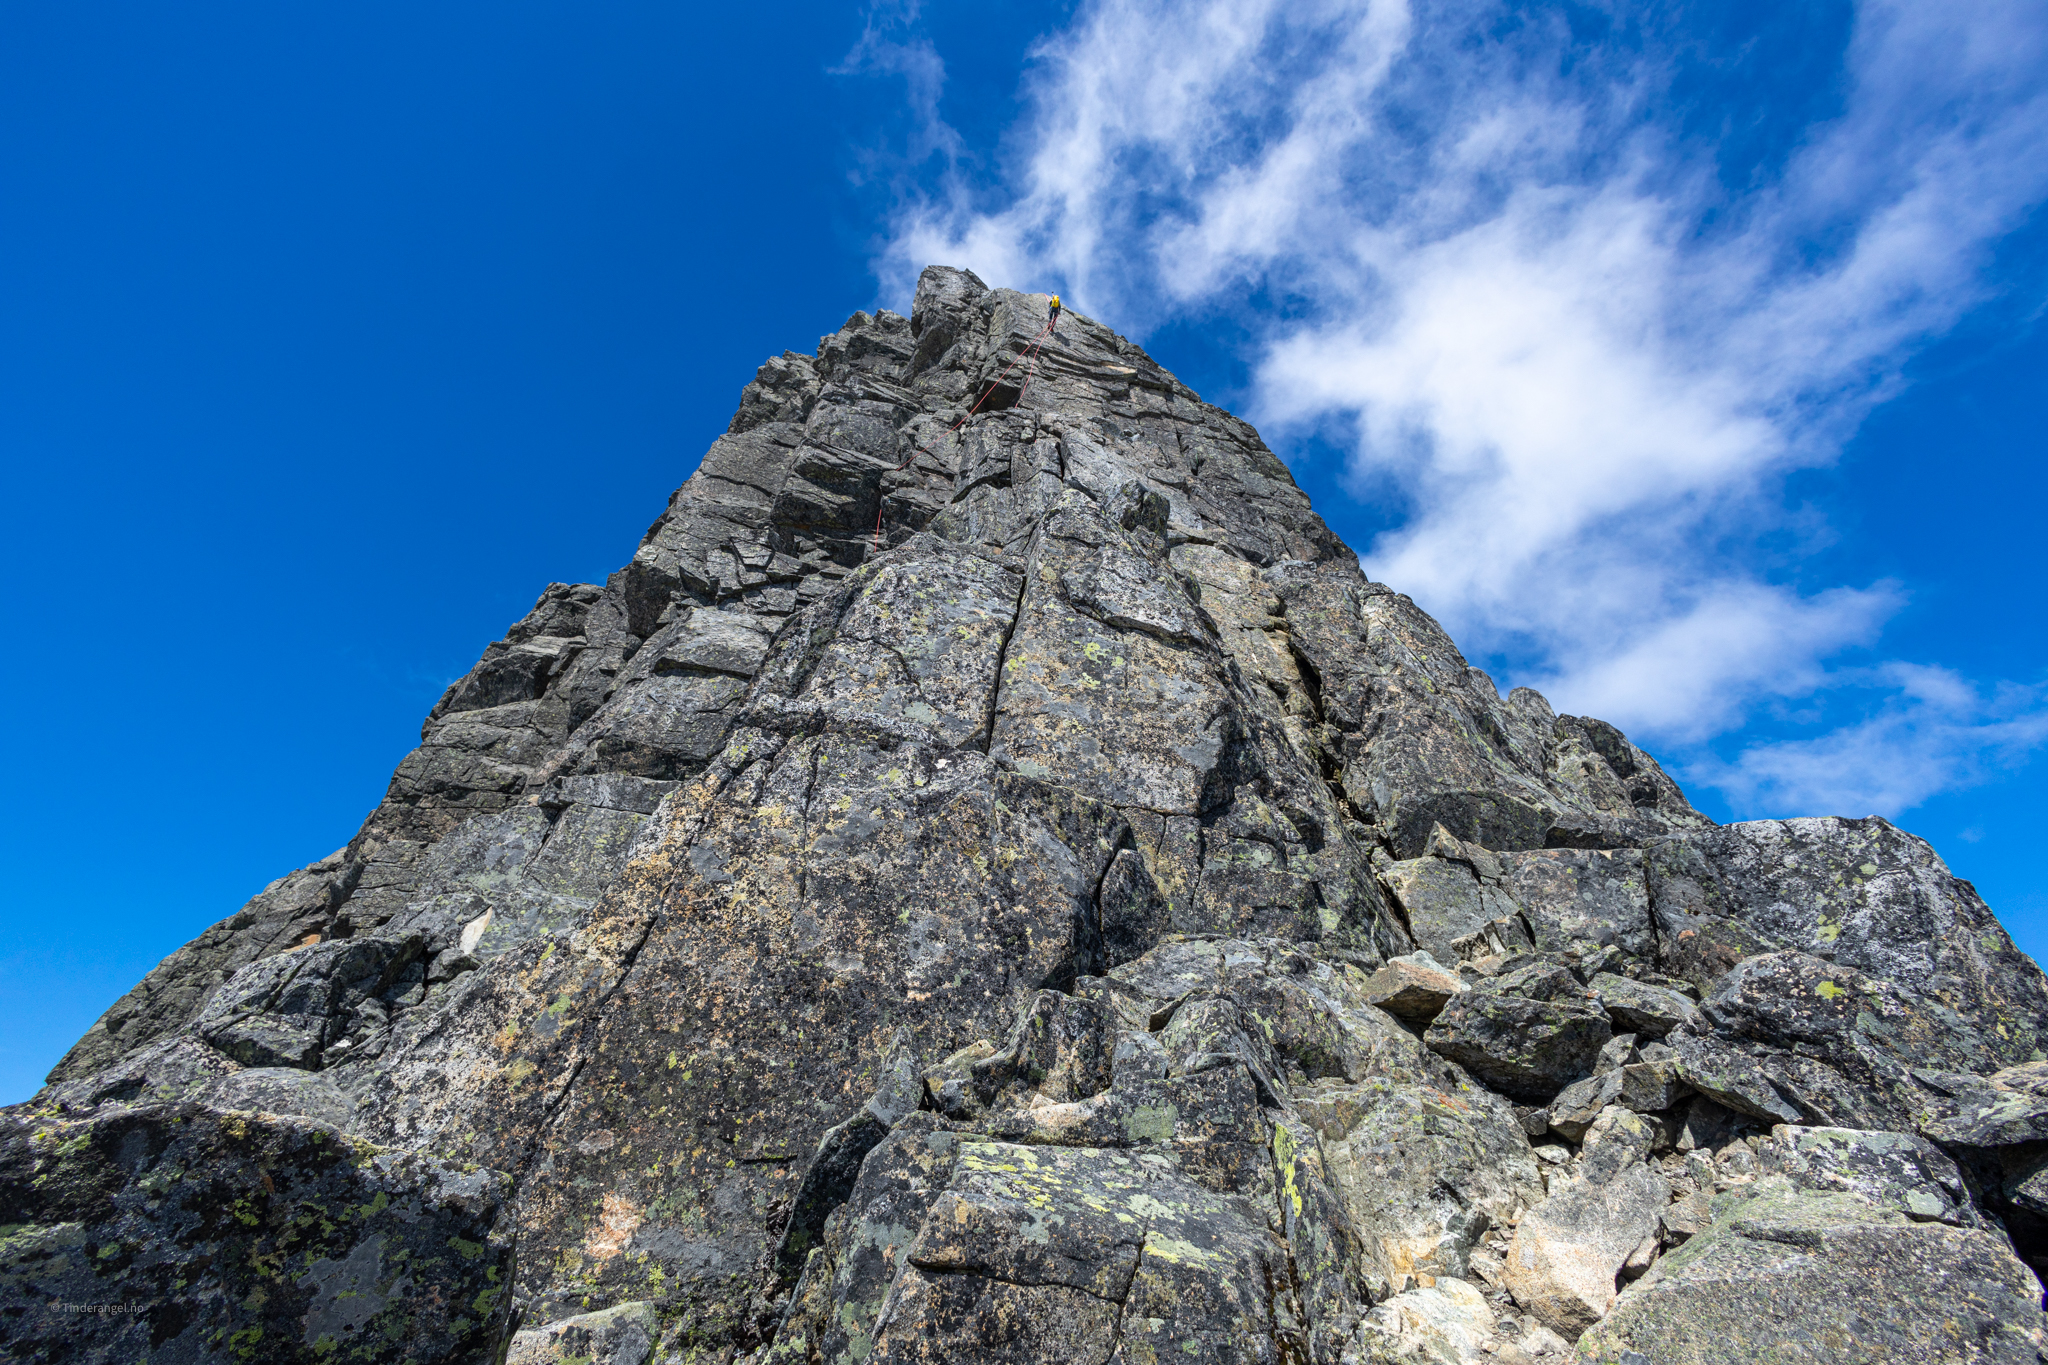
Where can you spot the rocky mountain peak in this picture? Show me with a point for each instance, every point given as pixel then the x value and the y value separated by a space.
pixel 991 879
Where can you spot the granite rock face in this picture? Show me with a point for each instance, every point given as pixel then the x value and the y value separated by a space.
pixel 186 1233
pixel 1011 889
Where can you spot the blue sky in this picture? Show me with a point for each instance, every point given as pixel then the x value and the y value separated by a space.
pixel 1688 368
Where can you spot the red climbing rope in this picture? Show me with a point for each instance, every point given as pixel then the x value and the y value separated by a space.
pixel 1032 352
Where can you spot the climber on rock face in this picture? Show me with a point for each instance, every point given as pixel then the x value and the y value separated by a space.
pixel 1053 323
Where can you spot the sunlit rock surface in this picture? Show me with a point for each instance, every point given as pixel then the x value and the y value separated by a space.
pixel 1016 891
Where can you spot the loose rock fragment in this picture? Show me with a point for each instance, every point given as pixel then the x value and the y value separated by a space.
pixel 1414 987
pixel 1567 1251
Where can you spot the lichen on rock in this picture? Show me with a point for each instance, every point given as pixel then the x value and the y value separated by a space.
pixel 1004 885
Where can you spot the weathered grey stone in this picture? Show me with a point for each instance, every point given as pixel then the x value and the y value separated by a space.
pixel 1791 1038
pixel 1897 1171
pixel 1427 740
pixel 620 1335
pixel 867 1242
pixel 178 1067
pixel 1323 1240
pixel 1644 1087
pixel 1528 1049
pixel 1860 893
pixel 1043 1254
pixel 293 910
pixel 1650 1087
pixel 1616 1141
pixel 1579 1103
pixel 1445 901
pixel 1422 1171
pixel 306 1245
pixel 1447 1323
pixel 1583 899
pixel 1050 783
pixel 2005 1109
pixel 1639 1007
pixel 1537 976
pixel 1616 1053
pixel 287 1091
pixel 1414 987
pixel 288 1010
pixel 1798 1275
pixel 1137 1057
pixel 1707 1125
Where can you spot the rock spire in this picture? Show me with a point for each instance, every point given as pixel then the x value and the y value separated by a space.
pixel 1085 921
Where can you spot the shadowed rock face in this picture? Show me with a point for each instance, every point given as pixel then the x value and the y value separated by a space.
pixel 975 940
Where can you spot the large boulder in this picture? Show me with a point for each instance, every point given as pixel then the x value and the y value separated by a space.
pixel 1425 1162
pixel 1057 1254
pixel 1526 1048
pixel 1567 1251
pixel 1861 894
pixel 1446 1323
pixel 1791 1038
pixel 1641 1007
pixel 289 1010
pixel 1583 898
pixel 1900 1172
pixel 1415 987
pixel 623 1334
pixel 1787 1274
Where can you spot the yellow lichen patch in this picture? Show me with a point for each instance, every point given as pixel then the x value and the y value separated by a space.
pixel 1283 1159
pixel 1151 1123
pixel 1159 1246
pixel 1828 990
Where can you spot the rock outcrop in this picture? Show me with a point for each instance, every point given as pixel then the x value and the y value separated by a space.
pixel 1013 890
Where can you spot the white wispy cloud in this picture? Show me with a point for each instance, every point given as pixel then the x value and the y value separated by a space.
pixel 1535 316
pixel 890 46
pixel 1934 732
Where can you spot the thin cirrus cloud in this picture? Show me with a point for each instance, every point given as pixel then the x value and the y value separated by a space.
pixel 1935 731
pixel 1531 311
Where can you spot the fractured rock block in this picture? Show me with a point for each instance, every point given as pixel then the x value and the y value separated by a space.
pixel 1445 901
pixel 1583 898
pixel 1423 1169
pixel 1446 1321
pixel 620 1335
pixel 1038 1254
pixel 287 1010
pixel 1645 1087
pixel 1898 1171
pixel 1566 1251
pixel 1528 1049
pixel 1640 1008
pixel 1414 987
pixel 1794 1275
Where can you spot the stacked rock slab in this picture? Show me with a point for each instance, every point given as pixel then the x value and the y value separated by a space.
pixel 1084 919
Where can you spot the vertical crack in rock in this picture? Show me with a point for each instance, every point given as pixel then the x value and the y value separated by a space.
pixel 995 691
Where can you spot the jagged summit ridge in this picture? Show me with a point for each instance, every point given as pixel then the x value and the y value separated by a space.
pixel 807 918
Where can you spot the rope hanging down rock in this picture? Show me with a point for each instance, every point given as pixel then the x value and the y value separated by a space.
pixel 1031 352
